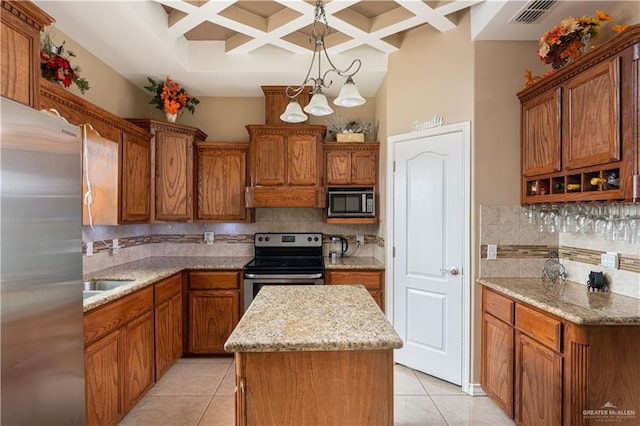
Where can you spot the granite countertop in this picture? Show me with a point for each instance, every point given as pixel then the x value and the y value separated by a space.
pixel 353 263
pixel 148 271
pixel 313 318
pixel 573 303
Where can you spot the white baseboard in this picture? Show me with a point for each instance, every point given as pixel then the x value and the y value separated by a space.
pixel 474 389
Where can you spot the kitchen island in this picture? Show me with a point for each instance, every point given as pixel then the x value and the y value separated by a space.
pixel 314 355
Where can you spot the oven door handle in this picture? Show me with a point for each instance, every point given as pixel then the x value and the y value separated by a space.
pixel 284 276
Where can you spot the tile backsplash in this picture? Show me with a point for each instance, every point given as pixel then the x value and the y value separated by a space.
pixel 523 249
pixel 231 239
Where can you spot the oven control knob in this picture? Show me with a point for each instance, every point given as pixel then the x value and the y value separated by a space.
pixel 259 238
pixel 266 238
pixel 315 239
pixel 308 238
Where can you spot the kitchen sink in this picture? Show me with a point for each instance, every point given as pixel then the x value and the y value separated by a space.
pixel 89 293
pixel 103 285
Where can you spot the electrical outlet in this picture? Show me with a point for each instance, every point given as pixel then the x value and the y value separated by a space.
pixel 360 239
pixel 115 246
pixel 609 260
pixel 209 236
pixel 89 248
pixel 492 252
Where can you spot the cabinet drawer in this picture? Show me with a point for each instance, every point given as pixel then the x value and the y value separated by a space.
pixel 372 279
pixel 545 329
pixel 102 321
pixel 499 306
pixel 214 280
pixel 167 288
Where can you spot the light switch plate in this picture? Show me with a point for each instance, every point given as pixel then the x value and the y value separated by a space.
pixel 492 252
pixel 209 236
pixel 89 248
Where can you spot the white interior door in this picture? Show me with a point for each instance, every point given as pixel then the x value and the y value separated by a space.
pixel 430 235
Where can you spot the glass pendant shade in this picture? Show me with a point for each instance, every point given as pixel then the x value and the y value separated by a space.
pixel 293 113
pixel 349 95
pixel 318 105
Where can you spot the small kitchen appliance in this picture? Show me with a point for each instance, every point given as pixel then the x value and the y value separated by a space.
pixel 351 202
pixel 338 247
pixel 283 259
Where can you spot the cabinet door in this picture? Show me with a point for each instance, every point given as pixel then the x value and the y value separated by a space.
pixel 302 160
pixel 497 362
pixel 338 168
pixel 212 317
pixel 269 160
pixel 538 399
pixel 138 359
pixel 364 168
pixel 136 179
pixel 174 168
pixel 168 335
pixel 591 116
pixel 21 24
pixel 103 380
pixel 541 134
pixel 221 180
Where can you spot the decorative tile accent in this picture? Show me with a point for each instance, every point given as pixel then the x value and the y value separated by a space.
pixel 592 257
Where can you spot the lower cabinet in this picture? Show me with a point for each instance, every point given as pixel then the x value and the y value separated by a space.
pixel 545 370
pixel 119 356
pixel 213 310
pixel 373 280
pixel 168 322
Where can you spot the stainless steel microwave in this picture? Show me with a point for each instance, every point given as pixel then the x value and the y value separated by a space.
pixel 351 202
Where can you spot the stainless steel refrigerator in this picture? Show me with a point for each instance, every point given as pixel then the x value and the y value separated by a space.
pixel 41 332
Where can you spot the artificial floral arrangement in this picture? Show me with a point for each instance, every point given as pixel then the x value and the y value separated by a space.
pixel 566 41
pixel 340 125
pixel 55 65
pixel 169 97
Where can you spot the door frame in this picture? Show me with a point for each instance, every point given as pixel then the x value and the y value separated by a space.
pixel 465 128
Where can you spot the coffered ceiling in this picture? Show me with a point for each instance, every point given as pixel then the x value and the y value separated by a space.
pixel 232 47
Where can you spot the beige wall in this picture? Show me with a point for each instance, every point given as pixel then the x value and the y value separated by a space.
pixel 108 89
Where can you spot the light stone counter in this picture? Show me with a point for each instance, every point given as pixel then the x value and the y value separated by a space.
pixel 353 263
pixel 574 303
pixel 313 318
pixel 148 271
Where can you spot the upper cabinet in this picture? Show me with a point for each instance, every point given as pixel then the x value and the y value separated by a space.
pixel 580 127
pixel 172 167
pixel 351 164
pixel 221 177
pixel 22 23
pixel 276 102
pixel 111 144
pixel 285 166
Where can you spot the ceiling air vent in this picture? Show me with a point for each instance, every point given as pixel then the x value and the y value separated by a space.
pixel 533 11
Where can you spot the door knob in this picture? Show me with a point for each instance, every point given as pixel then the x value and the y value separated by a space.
pixel 454 271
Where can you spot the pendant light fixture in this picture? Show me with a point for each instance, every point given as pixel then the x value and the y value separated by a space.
pixel 349 95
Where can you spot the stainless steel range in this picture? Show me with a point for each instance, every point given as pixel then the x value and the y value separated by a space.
pixel 283 259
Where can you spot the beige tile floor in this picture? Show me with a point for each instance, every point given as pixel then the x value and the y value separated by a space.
pixel 199 392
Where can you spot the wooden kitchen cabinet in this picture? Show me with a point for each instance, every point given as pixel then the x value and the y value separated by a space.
pixel 276 101
pixel 136 179
pixel 285 166
pixel 132 200
pixel 221 177
pixel 351 164
pixel 372 280
pixel 172 168
pixel 545 370
pixel 578 124
pixel 119 356
pixel 213 310
pixel 498 340
pixel 168 323
pixel 21 23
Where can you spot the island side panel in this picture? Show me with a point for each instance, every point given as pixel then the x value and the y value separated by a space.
pixel 334 387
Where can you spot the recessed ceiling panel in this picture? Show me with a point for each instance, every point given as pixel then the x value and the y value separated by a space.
pixel 208 31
